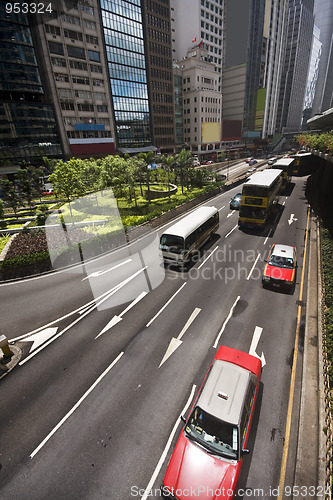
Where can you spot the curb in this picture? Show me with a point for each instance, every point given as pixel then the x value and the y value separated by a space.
pixel 7 364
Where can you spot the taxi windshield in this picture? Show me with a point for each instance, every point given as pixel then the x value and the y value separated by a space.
pixel 279 261
pixel 216 436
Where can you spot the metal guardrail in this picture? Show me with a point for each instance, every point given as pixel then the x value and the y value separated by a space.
pixel 325 391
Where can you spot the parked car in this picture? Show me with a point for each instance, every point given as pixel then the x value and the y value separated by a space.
pixel 235 201
pixel 210 450
pixel 48 192
pixel 280 268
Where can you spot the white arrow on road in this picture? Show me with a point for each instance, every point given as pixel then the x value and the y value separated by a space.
pixel 116 319
pixel 96 274
pixel 40 337
pixel 254 345
pixel 231 213
pixel 292 219
pixel 176 342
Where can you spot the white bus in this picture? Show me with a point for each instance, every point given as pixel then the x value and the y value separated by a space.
pixel 180 241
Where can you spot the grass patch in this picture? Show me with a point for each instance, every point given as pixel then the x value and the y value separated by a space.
pixel 3 241
pixel 103 207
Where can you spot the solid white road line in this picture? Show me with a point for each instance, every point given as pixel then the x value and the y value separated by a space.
pixel 166 449
pixel 211 253
pixel 252 268
pixel 76 406
pixel 225 323
pixel 233 229
pixel 165 305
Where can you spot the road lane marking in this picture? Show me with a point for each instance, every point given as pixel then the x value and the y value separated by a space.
pixel 293 373
pixel 231 213
pixel 211 253
pixel 292 219
pixel 270 231
pixel 85 395
pixel 219 210
pixel 254 344
pixel 39 338
pixel 225 323
pixel 96 274
pixel 105 296
pixel 176 342
pixel 233 229
pixel 165 305
pixel 167 447
pixel 254 265
pixel 116 319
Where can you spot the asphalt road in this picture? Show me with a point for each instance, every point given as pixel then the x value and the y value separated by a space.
pixel 92 410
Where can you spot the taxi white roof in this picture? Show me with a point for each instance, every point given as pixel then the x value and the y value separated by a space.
pixel 283 251
pixel 224 391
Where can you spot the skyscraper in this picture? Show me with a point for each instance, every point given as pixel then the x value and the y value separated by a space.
pixel 323 12
pixel 28 128
pixel 297 55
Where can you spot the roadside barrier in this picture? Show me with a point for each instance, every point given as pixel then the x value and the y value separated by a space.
pixel 325 391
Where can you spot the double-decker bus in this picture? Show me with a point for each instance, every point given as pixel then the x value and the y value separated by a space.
pixel 260 195
pixel 286 165
pixel 303 164
pixel 179 241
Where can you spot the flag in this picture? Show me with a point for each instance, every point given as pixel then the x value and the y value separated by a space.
pixel 194 39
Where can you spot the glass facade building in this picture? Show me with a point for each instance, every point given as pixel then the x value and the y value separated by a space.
pixel 28 128
pixel 123 33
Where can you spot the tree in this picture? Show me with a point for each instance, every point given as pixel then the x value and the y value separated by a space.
pixel 148 159
pixel 134 168
pixel 66 178
pixel 90 175
pixel 183 162
pixel 169 163
pixel 25 185
pixel 113 174
pixel 37 180
pixel 10 195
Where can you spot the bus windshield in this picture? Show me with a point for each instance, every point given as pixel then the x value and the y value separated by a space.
pixel 254 190
pixel 251 212
pixel 172 243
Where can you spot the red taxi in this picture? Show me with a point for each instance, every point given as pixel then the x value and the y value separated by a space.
pixel 280 268
pixel 208 456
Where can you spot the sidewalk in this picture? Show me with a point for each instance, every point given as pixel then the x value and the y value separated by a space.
pixel 310 463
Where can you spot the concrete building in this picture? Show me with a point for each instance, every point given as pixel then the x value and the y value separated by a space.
pixel 202 101
pixel 253 55
pixel 194 21
pixel 28 129
pixel 323 13
pixel 71 52
pixel 300 23
pixel 106 69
